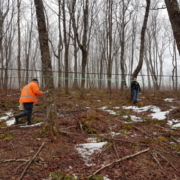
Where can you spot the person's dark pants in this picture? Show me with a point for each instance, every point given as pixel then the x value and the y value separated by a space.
pixel 28 109
pixel 134 96
pixel 27 112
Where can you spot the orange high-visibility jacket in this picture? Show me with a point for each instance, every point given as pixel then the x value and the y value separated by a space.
pixel 30 92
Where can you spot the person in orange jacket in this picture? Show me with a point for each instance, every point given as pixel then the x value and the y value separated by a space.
pixel 29 96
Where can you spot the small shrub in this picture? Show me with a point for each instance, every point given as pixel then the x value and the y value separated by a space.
pixel 162 139
pixel 61 176
pixel 37 120
pixel 175 147
pixel 45 130
pixel 123 132
pixel 146 141
pixel 127 127
pixel 3 123
pixel 7 137
pixel 96 177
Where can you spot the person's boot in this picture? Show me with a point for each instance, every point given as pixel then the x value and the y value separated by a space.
pixel 17 116
pixel 29 120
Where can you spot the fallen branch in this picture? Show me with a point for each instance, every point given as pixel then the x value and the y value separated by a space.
pixel 31 161
pixel 168 161
pixel 125 141
pixel 14 160
pixel 119 160
pixel 154 155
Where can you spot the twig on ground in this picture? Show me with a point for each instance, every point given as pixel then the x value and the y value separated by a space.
pixel 81 126
pixel 19 167
pixel 114 145
pixel 14 160
pixel 115 150
pixel 168 161
pixel 119 160
pixel 31 161
pixel 154 155
pixel 114 139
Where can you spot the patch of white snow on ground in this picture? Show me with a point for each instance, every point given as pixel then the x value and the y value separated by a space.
pixel 116 107
pixel 104 107
pixel 88 149
pixel 10 122
pixel 111 112
pixel 142 109
pixel 9 115
pixel 157 113
pixel 169 99
pixel 174 123
pixel 105 178
pixel 114 134
pixel 32 125
pixel 4 118
pixel 135 118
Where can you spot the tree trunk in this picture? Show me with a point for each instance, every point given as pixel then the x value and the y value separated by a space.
pixel 109 45
pixel 174 16
pixel 19 44
pixel 46 67
pixel 66 53
pixel 139 66
pixel 1 47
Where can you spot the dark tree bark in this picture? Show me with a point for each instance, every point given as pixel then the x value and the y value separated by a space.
pixel 83 46
pixel 109 46
pixel 141 56
pixel 174 17
pixel 19 44
pixel 2 18
pixel 46 67
pixel 66 49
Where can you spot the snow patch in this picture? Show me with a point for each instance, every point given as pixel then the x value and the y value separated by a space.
pixel 88 149
pixel 169 99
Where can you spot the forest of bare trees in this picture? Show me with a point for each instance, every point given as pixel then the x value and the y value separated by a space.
pixel 89 43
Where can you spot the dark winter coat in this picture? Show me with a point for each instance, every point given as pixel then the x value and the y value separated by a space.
pixel 135 86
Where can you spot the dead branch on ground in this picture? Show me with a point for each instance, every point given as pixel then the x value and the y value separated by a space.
pixel 168 161
pixel 14 160
pixel 119 160
pixel 31 161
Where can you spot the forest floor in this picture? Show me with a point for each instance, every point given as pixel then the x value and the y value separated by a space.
pixel 100 139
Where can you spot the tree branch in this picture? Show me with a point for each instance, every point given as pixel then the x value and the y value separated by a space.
pixel 119 160
pixel 31 161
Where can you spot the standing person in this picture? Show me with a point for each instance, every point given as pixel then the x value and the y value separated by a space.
pixel 29 94
pixel 135 88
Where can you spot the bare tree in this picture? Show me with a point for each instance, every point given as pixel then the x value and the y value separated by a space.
pixel 28 45
pixel 141 54
pixel 82 45
pixel 46 66
pixel 4 9
pixel 19 43
pixel 123 24
pixel 66 45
